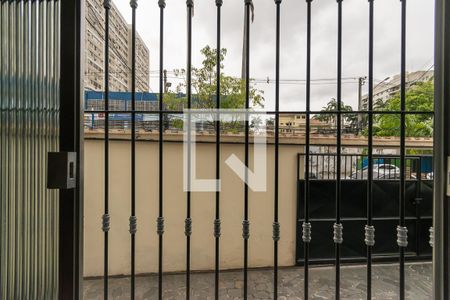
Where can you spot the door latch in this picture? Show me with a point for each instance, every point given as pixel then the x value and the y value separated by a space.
pixel 61 170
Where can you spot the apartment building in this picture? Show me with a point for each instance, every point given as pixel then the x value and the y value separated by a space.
pixel 296 123
pixel 388 88
pixel 120 51
pixel 142 63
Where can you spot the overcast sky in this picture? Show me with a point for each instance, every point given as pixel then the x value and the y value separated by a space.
pixel 420 14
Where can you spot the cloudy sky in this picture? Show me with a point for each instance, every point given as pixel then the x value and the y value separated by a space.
pixel 420 32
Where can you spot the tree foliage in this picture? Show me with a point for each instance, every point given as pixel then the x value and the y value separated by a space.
pixel 332 105
pixel 204 82
pixel 418 98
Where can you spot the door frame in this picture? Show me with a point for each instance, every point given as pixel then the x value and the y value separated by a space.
pixel 441 203
pixel 71 140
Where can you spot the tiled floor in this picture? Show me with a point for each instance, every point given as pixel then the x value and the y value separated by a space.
pixel 353 284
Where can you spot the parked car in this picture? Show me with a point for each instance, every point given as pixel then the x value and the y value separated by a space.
pixel 380 171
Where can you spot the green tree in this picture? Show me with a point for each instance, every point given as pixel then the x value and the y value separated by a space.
pixel 332 105
pixel 418 98
pixel 173 102
pixel 204 81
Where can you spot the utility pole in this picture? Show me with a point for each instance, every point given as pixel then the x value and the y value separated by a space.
pixel 361 82
pixel 244 62
pixel 165 81
pixel 244 42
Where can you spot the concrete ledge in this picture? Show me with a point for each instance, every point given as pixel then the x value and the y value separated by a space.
pixel 286 139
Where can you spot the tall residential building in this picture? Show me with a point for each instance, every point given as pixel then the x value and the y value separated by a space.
pixel 142 63
pixel 119 51
pixel 387 89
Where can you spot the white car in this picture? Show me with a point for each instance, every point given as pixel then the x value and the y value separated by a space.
pixel 380 171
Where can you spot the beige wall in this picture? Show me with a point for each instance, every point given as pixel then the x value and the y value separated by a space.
pixel 261 209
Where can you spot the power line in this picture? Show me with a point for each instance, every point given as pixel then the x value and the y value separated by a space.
pixel 318 81
pixel 423 75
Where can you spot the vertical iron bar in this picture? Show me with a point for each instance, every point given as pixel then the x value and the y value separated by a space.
pixel 217 219
pixel 345 164
pixel 160 221
pixel 246 223
pixel 334 166
pixel 370 244
pixel 188 221
pixel 317 165
pixel 133 4
pixel 338 225
pixel 105 225
pixel 276 225
pixel 321 169
pixel 2 160
pixel 418 183
pixel 441 151
pixel 3 157
pixel 71 139
pixel 402 248
pixel 328 164
pixel 307 240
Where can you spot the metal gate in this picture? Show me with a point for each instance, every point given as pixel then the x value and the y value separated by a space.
pixel 29 100
pixel 418 208
pixel 337 228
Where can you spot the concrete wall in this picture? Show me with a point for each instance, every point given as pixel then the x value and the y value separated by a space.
pixel 203 209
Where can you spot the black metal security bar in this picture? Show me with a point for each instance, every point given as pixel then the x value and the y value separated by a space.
pixel 71 139
pixel 370 229
pixel 106 217
pixel 188 221
pixel 402 231
pixel 338 229
pixel 276 224
pixel 441 151
pixel 246 223
pixel 160 220
pixel 217 217
pixel 306 227
pixel 133 219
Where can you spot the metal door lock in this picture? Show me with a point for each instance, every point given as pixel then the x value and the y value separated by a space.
pixel 61 170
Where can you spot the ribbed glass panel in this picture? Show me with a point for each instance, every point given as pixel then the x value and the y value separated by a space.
pixel 29 89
